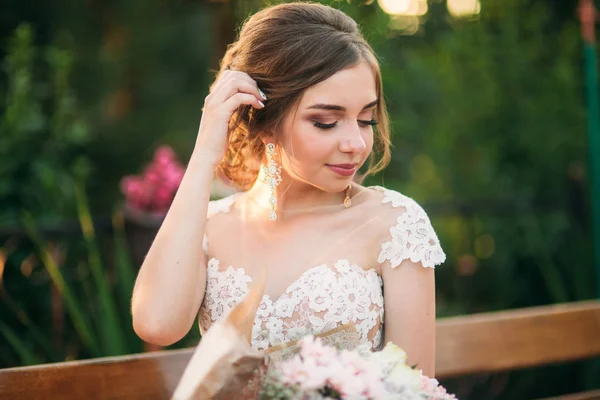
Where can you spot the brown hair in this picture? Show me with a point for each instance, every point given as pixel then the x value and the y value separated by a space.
pixel 286 49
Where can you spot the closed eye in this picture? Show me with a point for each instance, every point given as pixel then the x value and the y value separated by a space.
pixel 321 125
pixel 371 122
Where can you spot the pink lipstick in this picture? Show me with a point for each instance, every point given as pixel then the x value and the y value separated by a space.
pixel 343 169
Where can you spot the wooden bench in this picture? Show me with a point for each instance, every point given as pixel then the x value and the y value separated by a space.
pixel 488 342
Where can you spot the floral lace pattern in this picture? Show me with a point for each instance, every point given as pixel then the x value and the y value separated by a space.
pixel 321 299
pixel 413 237
pixel 324 297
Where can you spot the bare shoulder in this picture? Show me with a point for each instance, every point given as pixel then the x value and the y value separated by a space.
pixel 220 206
pixel 387 204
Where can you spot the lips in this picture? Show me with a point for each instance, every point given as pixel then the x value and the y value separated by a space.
pixel 343 169
pixel 346 166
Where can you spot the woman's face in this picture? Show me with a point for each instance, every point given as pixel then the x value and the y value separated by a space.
pixel 330 134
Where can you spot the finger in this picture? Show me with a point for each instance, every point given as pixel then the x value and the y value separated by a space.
pixel 238 86
pixel 238 99
pixel 221 80
pixel 247 78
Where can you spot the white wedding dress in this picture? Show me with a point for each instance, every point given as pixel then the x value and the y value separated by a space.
pixel 332 273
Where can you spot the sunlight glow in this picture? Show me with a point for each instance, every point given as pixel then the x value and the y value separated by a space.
pixel 462 8
pixel 2 263
pixel 404 7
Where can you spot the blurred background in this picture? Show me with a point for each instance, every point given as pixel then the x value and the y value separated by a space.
pixel 490 130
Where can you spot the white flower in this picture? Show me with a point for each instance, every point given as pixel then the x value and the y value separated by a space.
pixel 260 336
pixel 402 378
pixel 265 308
pixel 292 371
pixel 343 266
pixel 388 358
pixel 397 199
pixel 284 307
pixel 275 328
pixel 320 299
pixel 395 250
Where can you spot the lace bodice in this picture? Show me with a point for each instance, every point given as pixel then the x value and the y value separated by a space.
pixel 326 295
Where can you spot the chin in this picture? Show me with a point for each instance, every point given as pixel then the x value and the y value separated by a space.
pixel 326 181
pixel 335 186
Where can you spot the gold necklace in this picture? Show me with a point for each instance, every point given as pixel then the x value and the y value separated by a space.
pixel 346 203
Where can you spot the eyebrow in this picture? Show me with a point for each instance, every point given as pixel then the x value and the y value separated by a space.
pixel 335 107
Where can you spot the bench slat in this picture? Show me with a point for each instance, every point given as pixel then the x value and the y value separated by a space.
pixel 147 376
pixel 591 395
pixel 514 339
pixel 468 344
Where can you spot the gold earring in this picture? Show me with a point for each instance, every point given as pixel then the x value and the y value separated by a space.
pixel 272 177
pixel 347 200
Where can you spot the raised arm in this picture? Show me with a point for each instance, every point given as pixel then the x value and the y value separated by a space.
pixel 171 282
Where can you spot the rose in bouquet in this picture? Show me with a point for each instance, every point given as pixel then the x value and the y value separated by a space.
pixel 322 372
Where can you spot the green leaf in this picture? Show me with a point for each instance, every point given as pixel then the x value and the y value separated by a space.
pixel 125 278
pixel 28 357
pixel 76 313
pixel 111 334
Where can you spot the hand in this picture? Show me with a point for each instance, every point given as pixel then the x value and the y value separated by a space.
pixel 230 91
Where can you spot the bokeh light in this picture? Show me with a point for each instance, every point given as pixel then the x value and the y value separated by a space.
pixel 461 8
pixel 404 7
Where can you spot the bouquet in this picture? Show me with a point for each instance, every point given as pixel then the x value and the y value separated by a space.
pixel 323 372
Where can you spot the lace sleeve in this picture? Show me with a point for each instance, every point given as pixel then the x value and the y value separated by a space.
pixel 214 207
pixel 411 237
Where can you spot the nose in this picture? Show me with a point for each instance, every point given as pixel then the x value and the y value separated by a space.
pixel 353 141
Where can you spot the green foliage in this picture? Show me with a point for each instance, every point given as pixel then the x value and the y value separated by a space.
pixel 101 325
pixel 42 132
pixel 489 134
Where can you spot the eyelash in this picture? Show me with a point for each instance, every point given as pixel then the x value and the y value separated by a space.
pixel 330 126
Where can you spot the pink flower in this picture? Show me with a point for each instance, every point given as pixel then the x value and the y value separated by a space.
pixel 433 389
pixel 173 175
pixel 312 349
pixel 155 189
pixel 137 193
pixel 293 372
pixel 164 155
pixel 152 175
pixel 357 375
pixel 316 377
pixel 361 377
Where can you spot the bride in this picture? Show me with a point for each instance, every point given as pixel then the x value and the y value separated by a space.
pixel 296 111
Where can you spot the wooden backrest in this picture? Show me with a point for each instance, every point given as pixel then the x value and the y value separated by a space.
pixel 468 344
pixel 514 339
pixel 148 376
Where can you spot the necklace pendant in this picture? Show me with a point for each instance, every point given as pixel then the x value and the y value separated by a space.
pixel 347 202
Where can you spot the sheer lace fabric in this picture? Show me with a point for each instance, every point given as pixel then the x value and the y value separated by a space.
pixel 331 270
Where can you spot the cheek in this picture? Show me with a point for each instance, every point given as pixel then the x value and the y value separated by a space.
pixel 310 145
pixel 369 138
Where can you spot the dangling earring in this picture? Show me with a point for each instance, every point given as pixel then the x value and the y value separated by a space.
pixel 272 177
pixel 347 200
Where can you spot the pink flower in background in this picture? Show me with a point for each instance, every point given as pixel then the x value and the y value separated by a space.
pixel 154 190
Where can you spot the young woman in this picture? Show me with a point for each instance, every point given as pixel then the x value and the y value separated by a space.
pixel 296 111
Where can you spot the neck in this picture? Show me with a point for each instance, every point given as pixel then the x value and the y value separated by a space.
pixel 293 194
